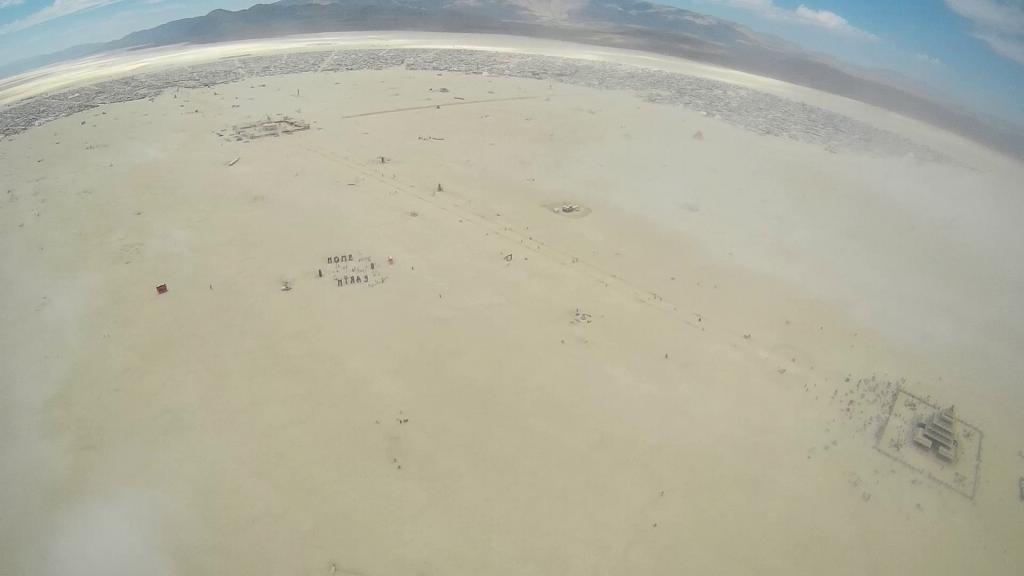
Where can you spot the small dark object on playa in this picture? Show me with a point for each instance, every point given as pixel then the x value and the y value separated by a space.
pixel 1022 488
pixel 320 273
pixel 161 289
pixel 698 135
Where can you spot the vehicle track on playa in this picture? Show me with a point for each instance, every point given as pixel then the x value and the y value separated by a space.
pixel 642 528
pixel 595 273
pixel 435 106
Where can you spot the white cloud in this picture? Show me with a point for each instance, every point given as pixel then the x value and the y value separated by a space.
pixel 1004 15
pixel 804 16
pixel 822 18
pixel 1005 46
pixel 58 9
pixel 6 3
pixel 922 57
pixel 997 23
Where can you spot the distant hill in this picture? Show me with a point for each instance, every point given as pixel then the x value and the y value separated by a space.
pixel 620 23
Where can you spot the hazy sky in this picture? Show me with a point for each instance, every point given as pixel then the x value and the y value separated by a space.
pixel 968 50
pixel 31 27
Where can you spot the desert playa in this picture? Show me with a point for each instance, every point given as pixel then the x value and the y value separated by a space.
pixel 467 304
